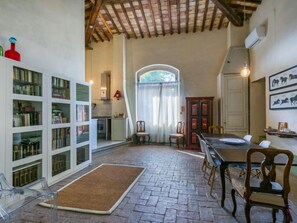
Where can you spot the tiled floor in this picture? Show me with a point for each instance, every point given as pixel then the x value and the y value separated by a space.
pixel 172 189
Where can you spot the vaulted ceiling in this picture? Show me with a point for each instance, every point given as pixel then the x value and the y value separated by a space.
pixel 147 18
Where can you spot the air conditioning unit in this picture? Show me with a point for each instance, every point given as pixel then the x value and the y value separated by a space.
pixel 255 37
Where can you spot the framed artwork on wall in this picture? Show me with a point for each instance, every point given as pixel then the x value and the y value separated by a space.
pixel 283 100
pixel 283 79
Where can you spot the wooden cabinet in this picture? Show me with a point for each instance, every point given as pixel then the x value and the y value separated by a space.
pixel 199 117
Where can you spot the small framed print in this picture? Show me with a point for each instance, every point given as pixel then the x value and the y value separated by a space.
pixel 282 126
pixel 283 100
pixel 283 79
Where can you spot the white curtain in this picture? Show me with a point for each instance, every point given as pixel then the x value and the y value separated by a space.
pixel 157 105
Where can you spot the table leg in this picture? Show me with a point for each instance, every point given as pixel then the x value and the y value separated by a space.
pixel 223 168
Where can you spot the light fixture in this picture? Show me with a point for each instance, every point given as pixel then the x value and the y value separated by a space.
pixel 245 72
pixel 91 82
pixel 117 95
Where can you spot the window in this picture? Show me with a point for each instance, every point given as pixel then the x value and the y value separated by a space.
pixel 157 103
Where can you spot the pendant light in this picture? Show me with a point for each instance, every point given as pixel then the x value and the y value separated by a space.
pixel 245 71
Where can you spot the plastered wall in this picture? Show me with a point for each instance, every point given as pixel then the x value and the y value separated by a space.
pixel 277 52
pixel 198 56
pixel 50 34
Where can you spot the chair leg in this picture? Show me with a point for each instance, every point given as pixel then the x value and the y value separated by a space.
pixel 149 139
pixel 210 174
pixel 169 140
pixel 212 180
pixel 234 202
pixel 203 165
pixel 247 210
pixel 177 142
pixel 287 215
pixel 274 215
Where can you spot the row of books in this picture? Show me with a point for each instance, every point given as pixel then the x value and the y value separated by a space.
pixel 27 76
pixel 60 83
pixel 27 119
pixel 34 90
pixel 25 176
pixel 61 93
pixel 82 113
pixel 60 138
pixel 82 154
pixel 25 149
pixel 59 164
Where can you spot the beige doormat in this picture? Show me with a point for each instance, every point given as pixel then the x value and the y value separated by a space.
pixel 99 191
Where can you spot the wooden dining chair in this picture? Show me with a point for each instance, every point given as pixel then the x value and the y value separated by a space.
pixel 216 129
pixel 265 144
pixel 179 135
pixel 141 133
pixel 204 162
pixel 265 192
pixel 213 163
pixel 247 138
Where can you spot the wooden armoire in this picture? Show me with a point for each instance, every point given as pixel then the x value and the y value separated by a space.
pixel 199 117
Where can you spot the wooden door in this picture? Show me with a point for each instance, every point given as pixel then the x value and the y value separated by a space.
pixel 199 117
pixel 235 104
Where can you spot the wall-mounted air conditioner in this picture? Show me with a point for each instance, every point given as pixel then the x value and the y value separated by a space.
pixel 255 37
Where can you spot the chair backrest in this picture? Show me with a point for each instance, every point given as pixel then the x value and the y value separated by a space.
pixel 207 152
pixel 247 138
pixel 202 148
pixel 265 144
pixel 180 128
pixel 140 126
pixel 216 129
pixel 268 172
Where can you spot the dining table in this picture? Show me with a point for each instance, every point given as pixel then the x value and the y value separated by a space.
pixel 232 150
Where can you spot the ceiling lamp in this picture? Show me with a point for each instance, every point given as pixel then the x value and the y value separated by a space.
pixel 245 72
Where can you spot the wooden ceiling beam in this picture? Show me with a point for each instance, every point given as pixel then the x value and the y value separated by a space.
pixel 169 16
pixel 93 37
pixel 105 24
pixel 204 15
pixel 97 25
pixel 110 18
pixel 128 19
pixel 187 15
pixel 196 15
pixel 120 21
pixel 178 15
pixel 214 14
pixel 228 12
pixel 136 19
pixel 99 36
pixel 153 17
pixel 92 20
pixel 221 21
pixel 161 17
pixel 144 18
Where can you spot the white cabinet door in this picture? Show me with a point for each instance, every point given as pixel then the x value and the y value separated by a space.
pixel 119 129
pixel 235 104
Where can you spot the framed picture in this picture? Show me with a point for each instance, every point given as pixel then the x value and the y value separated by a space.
pixel 283 79
pixel 284 100
pixel 282 126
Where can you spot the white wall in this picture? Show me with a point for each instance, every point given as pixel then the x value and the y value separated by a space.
pixel 198 56
pixel 278 51
pixel 98 60
pixel 50 34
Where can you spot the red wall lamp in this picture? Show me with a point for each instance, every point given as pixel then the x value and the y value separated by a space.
pixel 117 95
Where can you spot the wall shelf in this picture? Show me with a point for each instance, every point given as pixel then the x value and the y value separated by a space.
pixel 280 134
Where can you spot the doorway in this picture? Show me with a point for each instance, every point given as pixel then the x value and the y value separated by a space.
pixel 258 109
